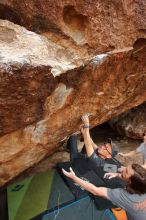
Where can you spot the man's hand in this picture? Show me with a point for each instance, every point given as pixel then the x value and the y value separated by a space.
pixel 83 131
pixel 85 119
pixel 70 174
pixel 110 175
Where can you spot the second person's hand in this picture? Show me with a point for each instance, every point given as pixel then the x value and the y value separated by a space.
pixel 110 175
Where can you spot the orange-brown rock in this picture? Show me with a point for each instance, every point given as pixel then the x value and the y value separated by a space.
pixel 131 123
pixel 48 81
pixel 97 25
pixel 28 64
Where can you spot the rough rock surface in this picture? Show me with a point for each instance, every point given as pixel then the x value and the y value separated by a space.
pixel 47 82
pixel 31 62
pixel 97 25
pixel 131 123
pixel 126 160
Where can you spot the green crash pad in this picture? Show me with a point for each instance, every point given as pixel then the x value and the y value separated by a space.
pixel 33 196
pixel 29 197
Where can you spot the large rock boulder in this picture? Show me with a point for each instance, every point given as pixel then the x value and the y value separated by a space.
pixel 132 123
pixel 100 26
pixel 28 65
pixel 47 82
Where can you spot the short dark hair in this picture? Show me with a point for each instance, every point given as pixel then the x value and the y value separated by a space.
pixel 109 140
pixel 138 180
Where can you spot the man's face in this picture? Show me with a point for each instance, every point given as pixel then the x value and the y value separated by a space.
pixel 127 173
pixel 105 151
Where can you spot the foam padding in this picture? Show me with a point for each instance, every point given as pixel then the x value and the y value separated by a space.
pixel 110 183
pixel 16 194
pixel 77 191
pixel 60 194
pixel 80 209
pixel 33 196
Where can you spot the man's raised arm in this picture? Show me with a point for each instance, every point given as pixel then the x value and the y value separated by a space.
pixel 89 144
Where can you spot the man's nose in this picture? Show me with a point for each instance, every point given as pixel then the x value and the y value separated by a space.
pixel 102 147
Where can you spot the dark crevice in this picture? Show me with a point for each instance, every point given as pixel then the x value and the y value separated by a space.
pixel 7 13
pixel 76 24
pixel 141 42
pixel 40 24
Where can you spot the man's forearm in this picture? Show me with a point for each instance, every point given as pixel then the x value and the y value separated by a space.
pixel 93 144
pixel 88 144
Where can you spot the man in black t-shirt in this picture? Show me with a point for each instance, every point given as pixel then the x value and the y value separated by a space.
pixel 97 155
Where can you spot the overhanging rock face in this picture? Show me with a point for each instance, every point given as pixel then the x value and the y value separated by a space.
pixel 48 82
pixel 28 66
pixel 97 25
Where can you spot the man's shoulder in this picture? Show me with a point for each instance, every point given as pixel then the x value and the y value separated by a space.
pixel 94 156
pixel 95 159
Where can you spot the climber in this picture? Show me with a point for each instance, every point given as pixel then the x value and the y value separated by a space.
pixel 97 155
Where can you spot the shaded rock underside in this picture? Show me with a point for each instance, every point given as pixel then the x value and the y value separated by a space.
pixel 132 123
